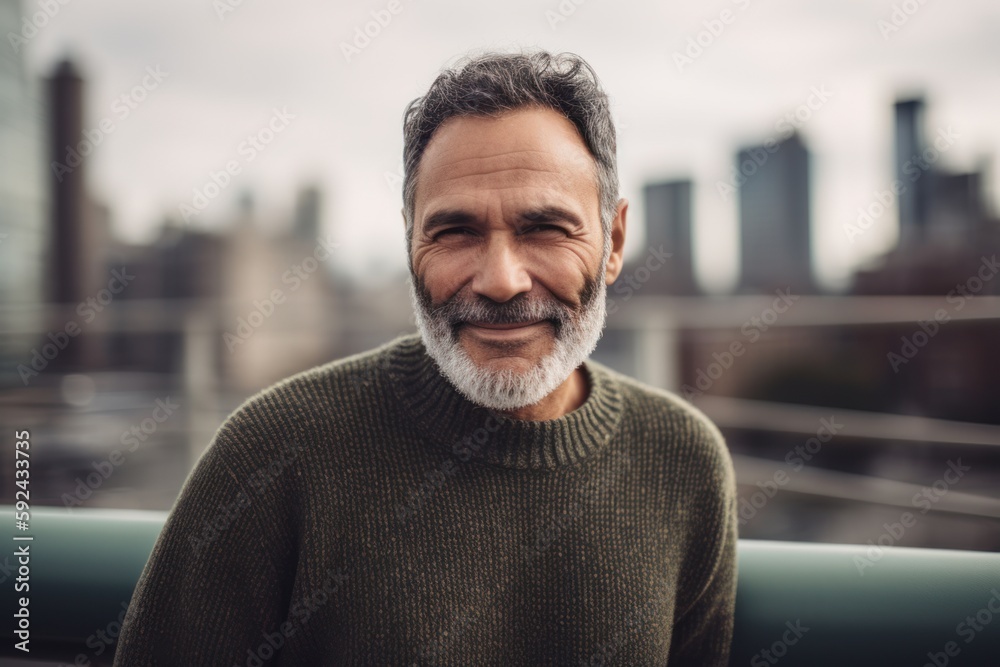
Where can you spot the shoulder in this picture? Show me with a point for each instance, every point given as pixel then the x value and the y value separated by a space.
pixel 304 407
pixel 664 410
pixel 672 424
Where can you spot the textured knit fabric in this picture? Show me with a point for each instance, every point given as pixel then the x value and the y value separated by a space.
pixel 365 513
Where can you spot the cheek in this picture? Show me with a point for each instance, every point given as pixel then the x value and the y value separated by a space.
pixel 443 273
pixel 563 271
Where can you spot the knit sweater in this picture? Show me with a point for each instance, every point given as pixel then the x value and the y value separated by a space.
pixel 364 512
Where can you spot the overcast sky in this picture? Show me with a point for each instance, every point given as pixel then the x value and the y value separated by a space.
pixel 227 71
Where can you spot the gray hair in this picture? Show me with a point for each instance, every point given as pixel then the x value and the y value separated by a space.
pixel 494 83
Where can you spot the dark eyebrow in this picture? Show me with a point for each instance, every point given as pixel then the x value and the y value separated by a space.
pixel 550 213
pixel 447 217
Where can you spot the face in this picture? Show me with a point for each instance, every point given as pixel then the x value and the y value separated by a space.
pixel 509 276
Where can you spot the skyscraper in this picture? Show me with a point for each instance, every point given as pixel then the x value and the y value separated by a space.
pixel 23 232
pixel 775 218
pixel 308 213
pixel 68 185
pixel 78 252
pixel 910 170
pixel 668 226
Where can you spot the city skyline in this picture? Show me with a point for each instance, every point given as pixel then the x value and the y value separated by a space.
pixel 682 122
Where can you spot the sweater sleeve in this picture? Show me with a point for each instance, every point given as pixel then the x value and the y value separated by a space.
pixel 703 631
pixel 210 590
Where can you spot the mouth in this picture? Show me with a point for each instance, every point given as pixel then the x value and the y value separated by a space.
pixel 506 331
pixel 503 327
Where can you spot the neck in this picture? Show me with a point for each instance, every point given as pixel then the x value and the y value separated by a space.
pixel 574 423
pixel 566 398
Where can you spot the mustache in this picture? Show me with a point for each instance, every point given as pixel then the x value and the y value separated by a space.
pixel 458 309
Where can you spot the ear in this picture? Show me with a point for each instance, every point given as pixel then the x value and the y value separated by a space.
pixel 615 263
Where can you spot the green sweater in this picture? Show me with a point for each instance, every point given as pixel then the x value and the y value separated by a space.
pixel 364 512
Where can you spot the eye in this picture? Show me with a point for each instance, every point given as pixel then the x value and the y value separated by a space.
pixel 453 231
pixel 543 228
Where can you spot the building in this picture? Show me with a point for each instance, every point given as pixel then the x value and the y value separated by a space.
pixel 945 226
pixel 668 229
pixel 77 254
pixel 909 167
pixel 774 214
pixel 23 205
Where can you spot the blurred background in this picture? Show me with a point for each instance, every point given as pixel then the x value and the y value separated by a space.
pixel 198 199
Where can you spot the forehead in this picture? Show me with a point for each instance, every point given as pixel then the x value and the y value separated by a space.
pixel 524 150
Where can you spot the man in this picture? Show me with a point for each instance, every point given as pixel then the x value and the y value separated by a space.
pixel 479 493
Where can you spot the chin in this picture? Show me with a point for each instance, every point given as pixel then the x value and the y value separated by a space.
pixel 519 356
pixel 516 364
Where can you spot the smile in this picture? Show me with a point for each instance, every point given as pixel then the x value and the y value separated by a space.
pixel 511 330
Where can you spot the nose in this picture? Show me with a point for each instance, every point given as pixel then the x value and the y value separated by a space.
pixel 501 274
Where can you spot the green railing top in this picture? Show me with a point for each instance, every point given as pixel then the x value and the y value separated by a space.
pixel 861 604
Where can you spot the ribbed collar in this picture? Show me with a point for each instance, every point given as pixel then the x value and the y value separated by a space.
pixel 448 418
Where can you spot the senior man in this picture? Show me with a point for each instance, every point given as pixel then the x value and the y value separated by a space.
pixel 480 492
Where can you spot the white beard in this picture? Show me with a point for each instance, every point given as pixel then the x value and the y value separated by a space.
pixel 506 389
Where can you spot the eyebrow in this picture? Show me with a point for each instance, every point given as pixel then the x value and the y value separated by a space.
pixel 546 213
